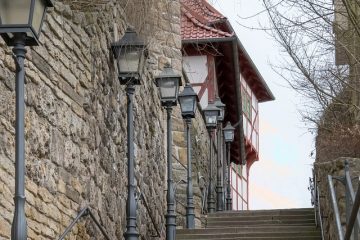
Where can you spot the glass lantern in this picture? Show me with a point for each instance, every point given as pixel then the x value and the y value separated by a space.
pixel 129 53
pixel 221 105
pixel 211 113
pixel 229 133
pixel 188 100
pixel 168 82
pixel 22 16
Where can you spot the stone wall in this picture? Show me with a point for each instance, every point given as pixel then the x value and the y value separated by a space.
pixel 334 168
pixel 76 123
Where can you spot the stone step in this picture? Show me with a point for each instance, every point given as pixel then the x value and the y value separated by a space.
pixel 262 238
pixel 262 222
pixel 259 217
pixel 295 211
pixel 243 235
pixel 255 225
pixel 239 229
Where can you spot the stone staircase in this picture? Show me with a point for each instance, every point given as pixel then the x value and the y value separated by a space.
pixel 257 224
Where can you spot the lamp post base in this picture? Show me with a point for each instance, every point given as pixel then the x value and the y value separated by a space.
pixel 170 226
pixel 19 225
pixel 131 235
pixel 219 198
pixel 211 200
pixel 228 204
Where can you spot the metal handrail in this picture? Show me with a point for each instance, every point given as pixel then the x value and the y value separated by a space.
pixel 354 213
pixel 354 200
pixel 352 195
pixel 319 212
pixel 315 201
pixel 182 181
pixel 83 213
pixel 142 197
pixel 335 207
pixel 203 199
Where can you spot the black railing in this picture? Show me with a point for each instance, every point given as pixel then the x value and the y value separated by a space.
pixel 315 201
pixel 182 181
pixel 83 213
pixel 352 206
pixel 203 194
pixel 146 205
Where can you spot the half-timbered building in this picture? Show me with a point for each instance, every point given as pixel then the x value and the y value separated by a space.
pixel 218 65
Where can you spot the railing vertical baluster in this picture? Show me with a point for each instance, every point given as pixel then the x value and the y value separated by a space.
pixel 146 205
pixel 352 195
pixel 335 207
pixel 353 215
pixel 348 202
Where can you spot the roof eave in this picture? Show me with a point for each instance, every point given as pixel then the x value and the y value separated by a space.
pixel 208 40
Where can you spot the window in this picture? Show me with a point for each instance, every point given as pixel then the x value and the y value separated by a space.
pixel 246 104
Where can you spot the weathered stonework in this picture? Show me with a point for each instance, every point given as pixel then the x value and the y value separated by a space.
pixel 76 124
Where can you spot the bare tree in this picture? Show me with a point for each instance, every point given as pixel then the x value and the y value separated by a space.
pixel 321 38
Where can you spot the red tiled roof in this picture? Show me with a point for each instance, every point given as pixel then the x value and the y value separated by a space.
pixel 204 9
pixel 193 28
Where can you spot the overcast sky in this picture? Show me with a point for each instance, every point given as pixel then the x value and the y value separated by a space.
pixel 281 177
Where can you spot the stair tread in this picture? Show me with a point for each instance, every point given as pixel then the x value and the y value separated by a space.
pixel 273 224
pixel 280 228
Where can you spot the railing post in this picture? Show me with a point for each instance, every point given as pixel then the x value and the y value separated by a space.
pixel 352 198
pixel 348 200
pixel 354 213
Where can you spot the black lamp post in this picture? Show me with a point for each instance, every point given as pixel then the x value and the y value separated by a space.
pixel 229 138
pixel 129 54
pixel 188 99
pixel 211 113
pixel 168 82
pixel 219 186
pixel 20 26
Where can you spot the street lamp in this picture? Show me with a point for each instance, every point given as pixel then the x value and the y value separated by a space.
pixel 168 82
pixel 229 138
pixel 211 113
pixel 129 55
pixel 20 26
pixel 219 188
pixel 188 100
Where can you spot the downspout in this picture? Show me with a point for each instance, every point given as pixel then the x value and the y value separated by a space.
pixel 239 100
